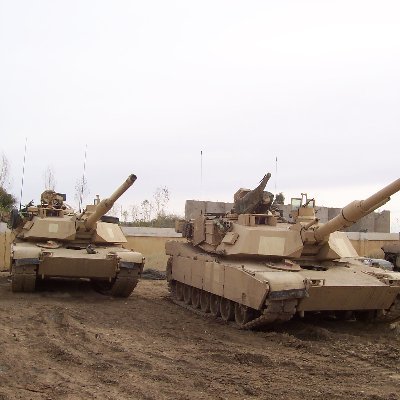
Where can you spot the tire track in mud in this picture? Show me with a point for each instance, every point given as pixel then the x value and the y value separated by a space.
pixel 79 344
pixel 90 348
pixel 322 347
pixel 346 356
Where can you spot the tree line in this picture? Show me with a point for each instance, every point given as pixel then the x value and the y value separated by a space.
pixel 148 212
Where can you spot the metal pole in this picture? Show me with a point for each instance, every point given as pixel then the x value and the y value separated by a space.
pixel 201 173
pixel 23 174
pixel 83 180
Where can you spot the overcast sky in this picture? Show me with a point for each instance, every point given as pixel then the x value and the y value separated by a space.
pixel 147 85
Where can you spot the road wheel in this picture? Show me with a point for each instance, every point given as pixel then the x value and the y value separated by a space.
pixel 187 294
pixel 179 291
pixel 227 308
pixel 344 315
pixel 243 314
pixel 172 288
pixel 390 315
pixel 205 301
pixel 195 297
pixel 365 315
pixel 101 286
pixel 214 305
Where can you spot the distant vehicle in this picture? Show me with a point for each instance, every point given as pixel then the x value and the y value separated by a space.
pixel 51 240
pixel 254 267
pixel 392 254
pixel 377 262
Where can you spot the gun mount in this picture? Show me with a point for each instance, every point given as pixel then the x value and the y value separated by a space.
pixel 357 209
pixel 93 213
pixel 252 266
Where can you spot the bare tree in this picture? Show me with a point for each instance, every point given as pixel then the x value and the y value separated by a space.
pixel 161 199
pixel 115 210
pixel 4 172
pixel 125 215
pixel 134 212
pixel 146 209
pixel 49 180
pixel 81 191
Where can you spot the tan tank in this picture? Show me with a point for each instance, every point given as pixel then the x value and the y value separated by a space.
pixel 53 241
pixel 254 267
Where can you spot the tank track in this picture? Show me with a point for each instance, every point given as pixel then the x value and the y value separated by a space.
pixel 125 282
pixel 23 278
pixel 275 312
pixel 390 315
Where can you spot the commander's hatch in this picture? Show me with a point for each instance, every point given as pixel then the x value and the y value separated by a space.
pixel 303 209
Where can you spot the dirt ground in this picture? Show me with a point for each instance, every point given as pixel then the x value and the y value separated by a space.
pixel 67 341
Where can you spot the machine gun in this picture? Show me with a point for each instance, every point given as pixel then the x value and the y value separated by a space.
pixel 253 201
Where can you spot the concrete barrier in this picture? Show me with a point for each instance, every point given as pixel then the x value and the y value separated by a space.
pixel 368 244
pixel 151 243
pixel 5 247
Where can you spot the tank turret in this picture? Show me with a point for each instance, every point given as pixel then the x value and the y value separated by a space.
pixel 253 266
pixel 245 232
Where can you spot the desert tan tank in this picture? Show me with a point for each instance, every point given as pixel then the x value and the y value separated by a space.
pixel 51 240
pixel 254 267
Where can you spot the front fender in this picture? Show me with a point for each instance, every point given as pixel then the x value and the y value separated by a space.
pixel 20 253
pixel 130 257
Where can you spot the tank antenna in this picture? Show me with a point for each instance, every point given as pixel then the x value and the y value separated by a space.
pixel 23 174
pixel 276 172
pixel 83 180
pixel 201 173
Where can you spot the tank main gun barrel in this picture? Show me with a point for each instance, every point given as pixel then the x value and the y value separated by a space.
pixel 249 202
pixel 105 205
pixel 357 209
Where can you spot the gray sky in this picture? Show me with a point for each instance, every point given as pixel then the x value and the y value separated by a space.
pixel 147 85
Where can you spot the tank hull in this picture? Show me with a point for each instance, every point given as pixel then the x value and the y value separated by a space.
pixel 282 286
pixel 108 264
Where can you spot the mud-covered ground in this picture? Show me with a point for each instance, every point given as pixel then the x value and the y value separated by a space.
pixel 68 342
